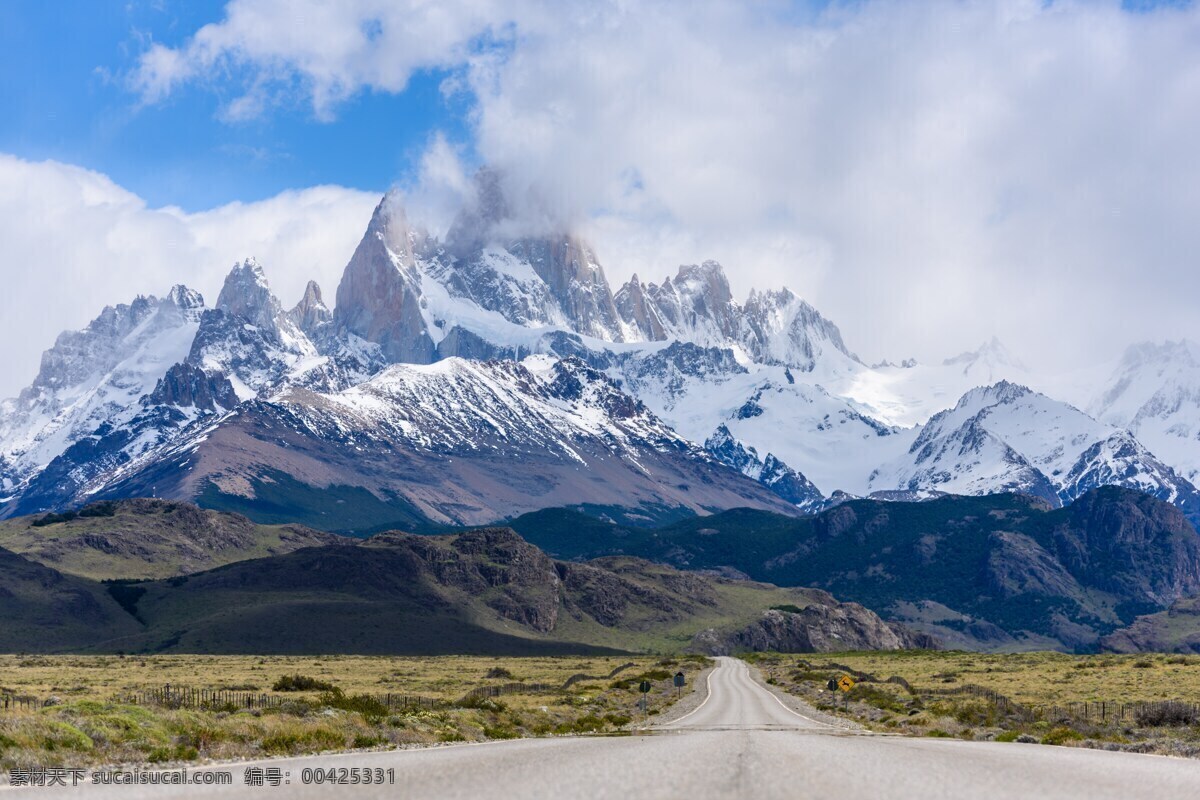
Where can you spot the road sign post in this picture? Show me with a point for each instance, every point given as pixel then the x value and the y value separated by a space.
pixel 679 681
pixel 644 686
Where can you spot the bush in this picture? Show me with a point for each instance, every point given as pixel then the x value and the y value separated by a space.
pixel 302 683
pixel 1008 736
pixel 481 703
pixel 499 672
pixel 291 741
pixel 1170 713
pixel 877 698
pixel 500 732
pixel 362 740
pixel 1062 735
pixel 1143 664
pixel 372 709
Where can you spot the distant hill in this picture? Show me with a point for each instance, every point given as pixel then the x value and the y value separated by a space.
pixel 144 538
pixel 996 572
pixel 44 610
pixel 485 591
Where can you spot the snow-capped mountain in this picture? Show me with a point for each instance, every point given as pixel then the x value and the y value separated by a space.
pixel 455 442
pixel 1006 438
pixel 771 472
pixel 248 337
pixel 95 376
pixel 1154 393
pixel 454 377
pixel 774 327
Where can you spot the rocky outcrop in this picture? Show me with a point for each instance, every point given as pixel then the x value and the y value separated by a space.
pixel 1175 630
pixel 822 627
pixel 188 386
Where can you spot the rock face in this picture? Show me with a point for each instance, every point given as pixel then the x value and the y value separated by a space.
pixel 186 385
pixel 825 627
pixel 379 298
pixel 773 327
pixel 1175 630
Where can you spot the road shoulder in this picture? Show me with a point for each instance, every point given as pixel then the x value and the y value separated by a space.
pixel 802 708
pixel 686 704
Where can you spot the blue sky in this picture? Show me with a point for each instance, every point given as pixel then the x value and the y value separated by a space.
pixel 66 97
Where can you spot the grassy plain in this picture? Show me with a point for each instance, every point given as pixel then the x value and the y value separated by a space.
pixel 1040 678
pixel 88 723
pixel 1150 700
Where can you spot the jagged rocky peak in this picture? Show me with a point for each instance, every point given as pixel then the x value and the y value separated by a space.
pixel 311 314
pixel 379 297
pixel 638 313
pixel 189 302
pixel 246 294
pixel 525 266
pixel 112 336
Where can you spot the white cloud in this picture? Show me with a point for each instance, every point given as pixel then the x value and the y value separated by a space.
pixel 75 242
pixel 330 50
pixel 928 173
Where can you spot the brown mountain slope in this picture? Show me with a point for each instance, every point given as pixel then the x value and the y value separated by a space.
pixel 145 538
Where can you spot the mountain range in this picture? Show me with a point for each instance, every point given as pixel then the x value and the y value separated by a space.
pixel 482 375
pixel 999 572
pixel 485 590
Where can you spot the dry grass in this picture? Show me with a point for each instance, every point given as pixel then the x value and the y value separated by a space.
pixel 1044 683
pixel 1040 678
pixel 89 725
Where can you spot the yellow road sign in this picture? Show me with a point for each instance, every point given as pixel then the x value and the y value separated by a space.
pixel 845 683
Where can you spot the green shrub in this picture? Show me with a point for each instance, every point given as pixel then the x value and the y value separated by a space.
pixel 64 736
pixel 302 683
pixel 292 741
pixel 500 732
pixel 372 709
pixel 878 698
pixel 938 733
pixel 362 740
pixel 1007 736
pixel 1062 735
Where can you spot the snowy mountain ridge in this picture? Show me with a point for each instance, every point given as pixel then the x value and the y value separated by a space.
pixel 768 385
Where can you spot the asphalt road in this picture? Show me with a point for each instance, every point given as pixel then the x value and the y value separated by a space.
pixel 741 742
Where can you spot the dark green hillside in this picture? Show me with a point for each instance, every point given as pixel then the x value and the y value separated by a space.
pixel 1003 571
